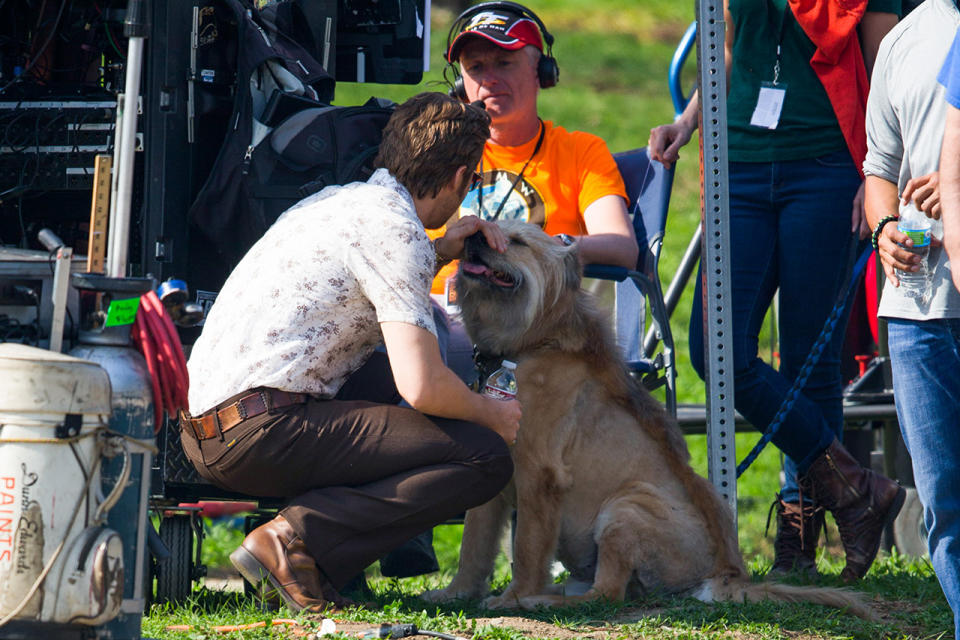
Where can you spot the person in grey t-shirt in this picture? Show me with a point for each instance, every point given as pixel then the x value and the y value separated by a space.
pixel 905 119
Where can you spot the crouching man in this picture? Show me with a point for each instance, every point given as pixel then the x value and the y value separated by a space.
pixel 289 399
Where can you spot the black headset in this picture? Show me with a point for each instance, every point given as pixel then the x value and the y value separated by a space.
pixel 548 72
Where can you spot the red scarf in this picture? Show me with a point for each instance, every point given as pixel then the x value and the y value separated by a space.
pixel 838 62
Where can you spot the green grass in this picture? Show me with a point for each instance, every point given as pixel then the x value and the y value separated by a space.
pixel 903 589
pixel 613 57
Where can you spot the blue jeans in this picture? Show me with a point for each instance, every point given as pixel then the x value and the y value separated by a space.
pixel 925 359
pixel 789 229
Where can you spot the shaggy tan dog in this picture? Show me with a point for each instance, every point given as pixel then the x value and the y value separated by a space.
pixel 603 481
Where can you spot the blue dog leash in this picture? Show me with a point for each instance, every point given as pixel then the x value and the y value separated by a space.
pixel 812 358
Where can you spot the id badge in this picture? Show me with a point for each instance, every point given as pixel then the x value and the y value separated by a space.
pixel 769 105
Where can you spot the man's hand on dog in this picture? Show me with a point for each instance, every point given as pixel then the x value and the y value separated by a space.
pixel 452 243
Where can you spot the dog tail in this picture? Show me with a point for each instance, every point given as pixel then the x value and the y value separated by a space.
pixel 739 589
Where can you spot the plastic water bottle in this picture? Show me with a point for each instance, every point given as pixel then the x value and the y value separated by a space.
pixel 916 284
pixel 502 383
pixel 450 302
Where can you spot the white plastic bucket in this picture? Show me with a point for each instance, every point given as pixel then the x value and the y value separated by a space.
pixel 53 413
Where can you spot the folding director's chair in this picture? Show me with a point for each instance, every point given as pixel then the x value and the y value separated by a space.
pixel 648 186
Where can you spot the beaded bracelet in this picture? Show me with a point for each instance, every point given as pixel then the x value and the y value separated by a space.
pixel 880 225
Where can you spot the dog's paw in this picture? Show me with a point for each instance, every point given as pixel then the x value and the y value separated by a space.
pixel 544 600
pixel 438 595
pixel 506 600
pixel 448 595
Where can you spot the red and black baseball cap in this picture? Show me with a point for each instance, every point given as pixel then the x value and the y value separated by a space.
pixel 503 27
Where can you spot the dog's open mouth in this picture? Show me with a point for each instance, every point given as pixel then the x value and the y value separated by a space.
pixel 481 271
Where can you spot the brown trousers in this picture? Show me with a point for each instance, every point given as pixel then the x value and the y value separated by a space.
pixel 364 475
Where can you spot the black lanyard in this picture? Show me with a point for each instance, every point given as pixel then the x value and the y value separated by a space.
pixel 536 149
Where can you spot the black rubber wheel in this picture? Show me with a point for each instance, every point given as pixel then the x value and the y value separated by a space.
pixel 174 574
pixel 909 530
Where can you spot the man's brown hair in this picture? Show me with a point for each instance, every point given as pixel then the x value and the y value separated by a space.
pixel 428 138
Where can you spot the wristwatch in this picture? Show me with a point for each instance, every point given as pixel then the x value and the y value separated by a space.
pixel 566 239
pixel 439 260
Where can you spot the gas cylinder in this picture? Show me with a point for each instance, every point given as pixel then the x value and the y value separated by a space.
pixel 60 567
pixel 107 309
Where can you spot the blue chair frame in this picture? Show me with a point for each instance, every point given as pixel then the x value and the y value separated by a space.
pixel 680 99
pixel 648 186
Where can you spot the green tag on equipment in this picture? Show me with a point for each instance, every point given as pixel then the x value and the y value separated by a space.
pixel 122 312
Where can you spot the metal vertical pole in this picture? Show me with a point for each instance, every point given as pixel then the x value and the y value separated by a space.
pixel 135 29
pixel 61 281
pixel 716 249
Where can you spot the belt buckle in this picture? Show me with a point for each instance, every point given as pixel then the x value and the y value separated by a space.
pixel 241 410
pixel 217 424
pixel 266 399
pixel 191 424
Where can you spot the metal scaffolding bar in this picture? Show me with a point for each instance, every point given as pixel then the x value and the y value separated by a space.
pixel 715 250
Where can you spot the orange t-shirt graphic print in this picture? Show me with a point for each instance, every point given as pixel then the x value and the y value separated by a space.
pixel 497 194
pixel 570 171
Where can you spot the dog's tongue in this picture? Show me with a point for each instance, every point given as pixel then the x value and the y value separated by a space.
pixel 476 269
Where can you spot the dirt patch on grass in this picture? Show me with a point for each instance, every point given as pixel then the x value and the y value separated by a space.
pixel 601 630
pixel 526 626
pixel 893 612
pixel 896 612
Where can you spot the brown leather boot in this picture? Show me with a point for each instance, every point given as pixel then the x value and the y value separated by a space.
pixel 798 531
pixel 273 553
pixel 862 502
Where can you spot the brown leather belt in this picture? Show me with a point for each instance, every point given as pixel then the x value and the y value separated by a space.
pixel 230 415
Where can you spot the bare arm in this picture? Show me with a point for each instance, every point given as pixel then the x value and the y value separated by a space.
pixel 858 218
pixel 665 141
pixel 950 189
pixel 881 200
pixel 873 26
pixel 432 388
pixel 611 239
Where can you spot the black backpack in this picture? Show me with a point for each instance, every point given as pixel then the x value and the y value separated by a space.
pixel 284 140
pixel 309 150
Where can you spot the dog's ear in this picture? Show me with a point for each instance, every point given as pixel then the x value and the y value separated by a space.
pixel 572 269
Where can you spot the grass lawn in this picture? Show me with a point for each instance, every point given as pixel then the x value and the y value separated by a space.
pixel 613 57
pixel 903 590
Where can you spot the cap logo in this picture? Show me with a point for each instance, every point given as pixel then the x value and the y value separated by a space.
pixel 486 18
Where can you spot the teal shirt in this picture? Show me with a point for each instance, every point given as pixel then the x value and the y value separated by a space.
pixel 808 128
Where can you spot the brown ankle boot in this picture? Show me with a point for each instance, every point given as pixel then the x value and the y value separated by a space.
pixel 273 553
pixel 798 531
pixel 861 501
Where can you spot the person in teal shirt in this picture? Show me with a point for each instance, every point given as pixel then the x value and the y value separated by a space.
pixel 796 214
